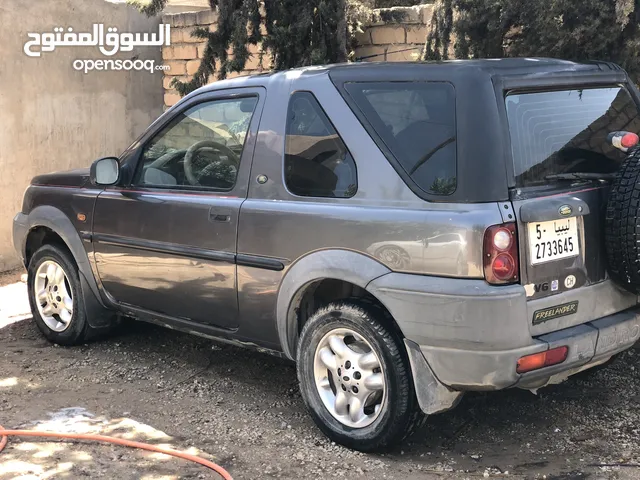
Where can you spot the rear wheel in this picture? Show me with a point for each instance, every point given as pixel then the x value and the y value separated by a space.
pixel 56 298
pixel 355 377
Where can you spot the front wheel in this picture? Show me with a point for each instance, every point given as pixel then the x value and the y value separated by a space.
pixel 56 298
pixel 355 376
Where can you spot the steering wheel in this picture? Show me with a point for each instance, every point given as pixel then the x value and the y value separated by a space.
pixel 166 158
pixel 194 179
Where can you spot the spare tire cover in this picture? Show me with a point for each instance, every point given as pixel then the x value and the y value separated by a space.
pixel 622 225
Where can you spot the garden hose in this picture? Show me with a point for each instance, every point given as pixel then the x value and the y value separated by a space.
pixel 5 434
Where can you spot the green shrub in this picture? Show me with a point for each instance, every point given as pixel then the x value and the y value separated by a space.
pixel 298 33
pixel 569 29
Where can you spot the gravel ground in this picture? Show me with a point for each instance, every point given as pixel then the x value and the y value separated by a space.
pixel 243 410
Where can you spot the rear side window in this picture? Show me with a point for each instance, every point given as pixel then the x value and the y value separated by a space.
pixel 317 162
pixel 416 122
pixel 565 131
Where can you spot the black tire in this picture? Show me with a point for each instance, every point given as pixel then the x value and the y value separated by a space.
pixel 622 225
pixel 79 331
pixel 400 415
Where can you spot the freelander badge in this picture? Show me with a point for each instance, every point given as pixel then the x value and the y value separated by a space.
pixel 546 314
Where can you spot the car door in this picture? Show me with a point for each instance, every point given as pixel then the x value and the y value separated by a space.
pixel 165 242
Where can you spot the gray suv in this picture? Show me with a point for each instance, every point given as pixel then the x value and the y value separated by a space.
pixel 404 232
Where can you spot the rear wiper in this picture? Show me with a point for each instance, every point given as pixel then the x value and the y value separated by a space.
pixel 581 176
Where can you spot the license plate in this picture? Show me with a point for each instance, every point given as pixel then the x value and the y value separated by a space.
pixel 553 240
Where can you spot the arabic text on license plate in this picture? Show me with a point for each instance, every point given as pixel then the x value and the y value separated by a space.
pixel 553 240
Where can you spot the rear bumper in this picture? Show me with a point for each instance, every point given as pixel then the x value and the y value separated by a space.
pixel 472 334
pixel 589 344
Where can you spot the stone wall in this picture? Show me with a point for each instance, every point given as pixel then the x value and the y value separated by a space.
pixel 179 6
pixel 395 34
pixel 184 54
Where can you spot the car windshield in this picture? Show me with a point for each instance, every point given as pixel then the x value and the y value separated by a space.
pixel 565 132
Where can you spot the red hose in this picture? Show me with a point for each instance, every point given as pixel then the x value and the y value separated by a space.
pixel 4 434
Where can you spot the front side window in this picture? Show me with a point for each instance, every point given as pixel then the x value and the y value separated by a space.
pixel 565 131
pixel 317 162
pixel 416 122
pixel 200 148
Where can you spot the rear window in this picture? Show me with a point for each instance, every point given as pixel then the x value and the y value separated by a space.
pixel 416 122
pixel 565 131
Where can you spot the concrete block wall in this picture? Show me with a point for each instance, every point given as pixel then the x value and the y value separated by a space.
pixel 185 53
pixel 395 34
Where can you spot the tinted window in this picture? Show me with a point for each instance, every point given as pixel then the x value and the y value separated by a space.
pixel 201 147
pixel 317 162
pixel 416 122
pixel 566 131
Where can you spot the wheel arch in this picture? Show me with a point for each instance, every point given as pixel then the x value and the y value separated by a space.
pixel 338 268
pixel 51 223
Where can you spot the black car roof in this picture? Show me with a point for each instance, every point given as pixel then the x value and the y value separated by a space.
pixel 452 69
pixel 463 68
pixel 491 65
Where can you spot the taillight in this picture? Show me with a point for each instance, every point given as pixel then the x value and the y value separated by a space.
pixel 500 251
pixel 623 140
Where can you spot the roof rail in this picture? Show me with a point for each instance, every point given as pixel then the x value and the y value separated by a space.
pixel 605 65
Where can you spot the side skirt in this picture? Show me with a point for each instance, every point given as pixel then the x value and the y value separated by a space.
pixel 221 335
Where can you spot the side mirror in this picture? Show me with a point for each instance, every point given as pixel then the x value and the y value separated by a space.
pixel 105 171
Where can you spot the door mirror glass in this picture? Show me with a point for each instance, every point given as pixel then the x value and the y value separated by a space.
pixel 105 171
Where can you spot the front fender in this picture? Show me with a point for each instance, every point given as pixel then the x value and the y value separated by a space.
pixel 336 264
pixel 58 222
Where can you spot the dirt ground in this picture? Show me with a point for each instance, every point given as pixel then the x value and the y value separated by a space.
pixel 243 410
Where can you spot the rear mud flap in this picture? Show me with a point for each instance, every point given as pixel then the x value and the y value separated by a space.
pixel 433 396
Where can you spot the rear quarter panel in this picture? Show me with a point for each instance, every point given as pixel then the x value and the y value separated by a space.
pixel 383 214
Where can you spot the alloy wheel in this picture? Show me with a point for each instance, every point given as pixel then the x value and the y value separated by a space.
pixel 349 378
pixel 53 296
